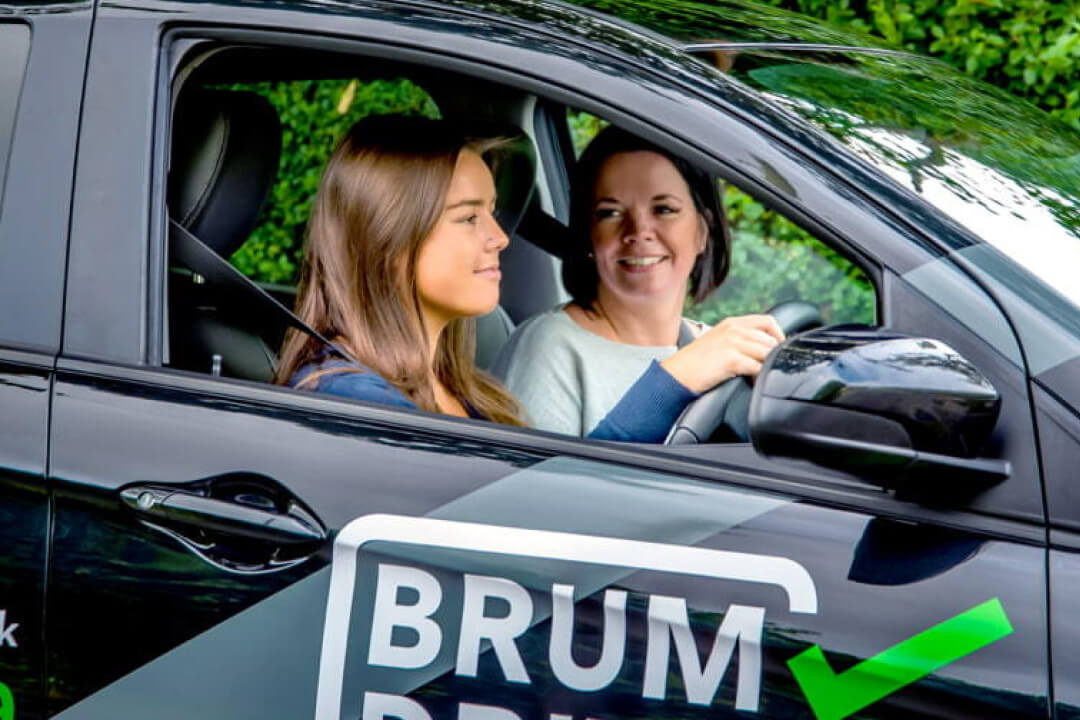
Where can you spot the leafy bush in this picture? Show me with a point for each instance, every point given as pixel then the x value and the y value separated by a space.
pixel 1030 48
pixel 773 261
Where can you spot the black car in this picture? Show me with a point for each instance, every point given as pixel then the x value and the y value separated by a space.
pixel 889 530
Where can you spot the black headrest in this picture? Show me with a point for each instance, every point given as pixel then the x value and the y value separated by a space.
pixel 226 147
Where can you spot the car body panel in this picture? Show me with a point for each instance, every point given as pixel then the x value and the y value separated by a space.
pixel 24 525
pixel 35 200
pixel 40 168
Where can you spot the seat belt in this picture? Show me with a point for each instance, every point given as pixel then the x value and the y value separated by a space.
pixel 197 256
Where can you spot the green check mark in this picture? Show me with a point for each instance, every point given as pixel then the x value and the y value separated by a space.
pixel 7 703
pixel 835 696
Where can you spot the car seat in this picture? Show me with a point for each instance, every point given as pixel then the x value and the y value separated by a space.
pixel 226 147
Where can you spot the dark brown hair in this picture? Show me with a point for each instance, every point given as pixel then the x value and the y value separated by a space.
pixel 579 269
pixel 380 198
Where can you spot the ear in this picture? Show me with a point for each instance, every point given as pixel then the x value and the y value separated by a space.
pixel 703 234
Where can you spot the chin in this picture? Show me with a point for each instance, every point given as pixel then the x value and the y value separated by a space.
pixel 650 290
pixel 479 308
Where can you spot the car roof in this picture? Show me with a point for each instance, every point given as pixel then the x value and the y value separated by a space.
pixel 648 27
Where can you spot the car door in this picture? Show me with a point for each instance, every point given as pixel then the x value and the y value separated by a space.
pixel 422 567
pixel 1056 391
pixel 42 56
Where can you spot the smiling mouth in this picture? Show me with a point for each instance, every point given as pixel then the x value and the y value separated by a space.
pixel 641 262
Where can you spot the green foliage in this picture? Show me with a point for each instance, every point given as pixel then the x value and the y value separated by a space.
pixel 314 116
pixel 773 260
pixel 1029 48
pixel 583 128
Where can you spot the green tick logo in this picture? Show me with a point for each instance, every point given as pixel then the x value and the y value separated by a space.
pixel 833 696
pixel 7 703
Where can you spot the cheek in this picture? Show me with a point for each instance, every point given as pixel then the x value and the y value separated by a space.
pixel 605 242
pixel 436 268
pixel 445 276
pixel 687 241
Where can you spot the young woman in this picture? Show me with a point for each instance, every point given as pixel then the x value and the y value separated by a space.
pixel 403 250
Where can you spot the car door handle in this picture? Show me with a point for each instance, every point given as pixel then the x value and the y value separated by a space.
pixel 170 507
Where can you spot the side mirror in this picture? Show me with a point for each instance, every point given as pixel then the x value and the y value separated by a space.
pixel 895 411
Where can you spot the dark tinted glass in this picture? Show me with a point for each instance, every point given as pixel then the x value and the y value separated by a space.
pixel 1003 169
pixel 14 49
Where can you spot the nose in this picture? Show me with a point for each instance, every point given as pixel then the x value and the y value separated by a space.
pixel 497 240
pixel 638 225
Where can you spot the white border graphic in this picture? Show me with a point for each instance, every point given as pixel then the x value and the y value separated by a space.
pixel 571 547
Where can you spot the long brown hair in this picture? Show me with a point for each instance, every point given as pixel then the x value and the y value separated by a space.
pixel 380 198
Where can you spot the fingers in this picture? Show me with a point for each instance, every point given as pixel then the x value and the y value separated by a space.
pixel 736 346
pixel 760 337
pixel 764 323
pixel 747 365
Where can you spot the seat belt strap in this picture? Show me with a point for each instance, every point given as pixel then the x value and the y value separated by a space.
pixel 197 256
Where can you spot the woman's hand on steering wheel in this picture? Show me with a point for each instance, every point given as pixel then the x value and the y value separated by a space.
pixel 736 346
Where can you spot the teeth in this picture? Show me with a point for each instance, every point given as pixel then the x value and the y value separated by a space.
pixel 641 261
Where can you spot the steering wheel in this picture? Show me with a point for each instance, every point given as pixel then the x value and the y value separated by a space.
pixel 723 413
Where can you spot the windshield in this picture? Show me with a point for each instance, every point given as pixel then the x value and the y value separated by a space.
pixel 1003 169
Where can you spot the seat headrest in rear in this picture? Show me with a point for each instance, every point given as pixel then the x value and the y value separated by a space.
pixel 225 152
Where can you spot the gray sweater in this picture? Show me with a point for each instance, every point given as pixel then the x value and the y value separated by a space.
pixel 566 377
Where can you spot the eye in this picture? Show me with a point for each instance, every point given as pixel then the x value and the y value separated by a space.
pixel 470 219
pixel 665 209
pixel 604 213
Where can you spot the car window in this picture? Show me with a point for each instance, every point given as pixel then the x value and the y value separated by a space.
pixel 14 50
pixel 773 260
pixel 212 328
pixel 997 166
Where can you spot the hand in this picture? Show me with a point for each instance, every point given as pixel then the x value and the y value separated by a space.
pixel 736 346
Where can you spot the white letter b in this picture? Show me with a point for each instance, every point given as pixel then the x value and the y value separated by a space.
pixel 388 615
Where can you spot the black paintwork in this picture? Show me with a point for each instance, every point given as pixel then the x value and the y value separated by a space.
pixel 24 525
pixel 123 591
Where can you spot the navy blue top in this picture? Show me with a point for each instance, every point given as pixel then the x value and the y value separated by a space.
pixel 644 414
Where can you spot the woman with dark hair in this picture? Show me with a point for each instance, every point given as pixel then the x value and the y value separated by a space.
pixel 402 253
pixel 646 230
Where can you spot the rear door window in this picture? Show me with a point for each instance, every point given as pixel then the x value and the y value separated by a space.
pixel 14 49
